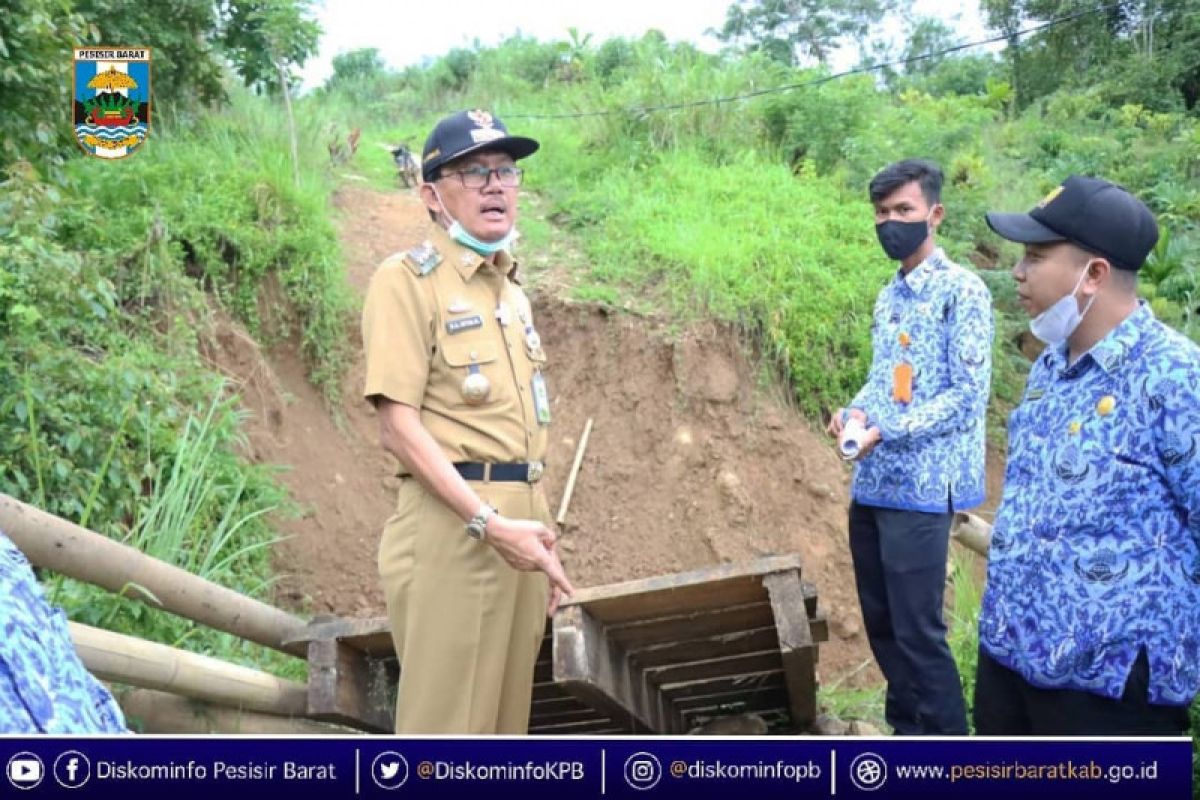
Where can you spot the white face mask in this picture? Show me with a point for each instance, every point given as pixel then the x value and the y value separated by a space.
pixel 1056 324
pixel 464 237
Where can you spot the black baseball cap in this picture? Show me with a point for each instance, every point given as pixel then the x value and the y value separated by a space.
pixel 1094 214
pixel 466 132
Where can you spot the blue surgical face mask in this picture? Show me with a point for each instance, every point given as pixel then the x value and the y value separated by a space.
pixel 1056 324
pixel 464 237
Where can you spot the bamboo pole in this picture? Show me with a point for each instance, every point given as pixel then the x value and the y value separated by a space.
pixel 126 659
pixel 152 711
pixel 63 546
pixel 972 533
pixel 579 451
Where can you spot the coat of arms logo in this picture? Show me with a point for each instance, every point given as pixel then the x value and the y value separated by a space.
pixel 112 99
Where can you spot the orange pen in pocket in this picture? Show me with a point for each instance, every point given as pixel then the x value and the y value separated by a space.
pixel 902 378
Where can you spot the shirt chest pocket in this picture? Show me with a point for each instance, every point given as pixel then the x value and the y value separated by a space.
pixel 472 363
pixel 1135 474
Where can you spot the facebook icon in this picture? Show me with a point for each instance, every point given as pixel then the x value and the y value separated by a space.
pixel 72 769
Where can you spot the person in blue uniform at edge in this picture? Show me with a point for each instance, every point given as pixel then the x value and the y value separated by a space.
pixel 922 456
pixel 1091 616
pixel 44 686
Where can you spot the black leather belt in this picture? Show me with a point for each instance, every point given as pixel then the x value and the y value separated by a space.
pixel 513 473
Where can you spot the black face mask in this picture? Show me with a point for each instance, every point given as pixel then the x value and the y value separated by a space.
pixel 901 239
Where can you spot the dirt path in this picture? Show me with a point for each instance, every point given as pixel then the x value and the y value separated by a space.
pixel 689 463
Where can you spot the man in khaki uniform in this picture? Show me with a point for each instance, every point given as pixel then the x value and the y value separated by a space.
pixel 454 369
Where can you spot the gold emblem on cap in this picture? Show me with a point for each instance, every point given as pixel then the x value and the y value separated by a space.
pixel 480 117
pixel 1055 192
pixel 1106 405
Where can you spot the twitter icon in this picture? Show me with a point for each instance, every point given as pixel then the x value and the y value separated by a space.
pixel 389 770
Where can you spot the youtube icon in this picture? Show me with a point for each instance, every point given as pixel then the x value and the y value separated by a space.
pixel 25 770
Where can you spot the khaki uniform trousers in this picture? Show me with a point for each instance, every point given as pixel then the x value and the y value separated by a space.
pixel 467 627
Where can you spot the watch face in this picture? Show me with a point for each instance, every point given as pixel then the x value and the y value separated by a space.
pixel 477 527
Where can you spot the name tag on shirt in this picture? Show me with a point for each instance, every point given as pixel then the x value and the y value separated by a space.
pixel 464 324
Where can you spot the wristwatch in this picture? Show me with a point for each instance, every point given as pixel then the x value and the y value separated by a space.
pixel 478 524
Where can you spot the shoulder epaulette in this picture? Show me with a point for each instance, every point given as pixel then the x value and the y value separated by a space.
pixel 423 259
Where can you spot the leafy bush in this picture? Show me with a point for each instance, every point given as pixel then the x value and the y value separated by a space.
pixel 231 228
pixel 111 417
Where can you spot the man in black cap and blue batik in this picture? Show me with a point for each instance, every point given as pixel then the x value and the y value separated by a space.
pixel 1091 616
pixel 455 370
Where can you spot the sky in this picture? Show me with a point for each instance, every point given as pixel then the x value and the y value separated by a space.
pixel 407 33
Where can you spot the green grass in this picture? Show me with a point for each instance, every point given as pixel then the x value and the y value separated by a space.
pixel 853 703
pixel 746 241
pixel 963 618
pixel 116 419
pixel 205 516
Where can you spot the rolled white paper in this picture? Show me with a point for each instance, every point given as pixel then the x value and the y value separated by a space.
pixel 850 442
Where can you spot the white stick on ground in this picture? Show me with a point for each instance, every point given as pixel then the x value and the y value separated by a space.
pixel 579 451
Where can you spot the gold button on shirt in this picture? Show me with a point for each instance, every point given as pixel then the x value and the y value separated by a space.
pixel 423 334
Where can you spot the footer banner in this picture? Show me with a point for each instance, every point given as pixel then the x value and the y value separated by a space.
pixel 230 768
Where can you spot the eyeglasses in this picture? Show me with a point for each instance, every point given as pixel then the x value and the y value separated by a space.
pixel 478 177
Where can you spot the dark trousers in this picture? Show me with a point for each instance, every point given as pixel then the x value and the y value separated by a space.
pixel 1008 705
pixel 900 570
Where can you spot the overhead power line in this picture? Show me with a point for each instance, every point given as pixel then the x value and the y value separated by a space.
pixel 640 110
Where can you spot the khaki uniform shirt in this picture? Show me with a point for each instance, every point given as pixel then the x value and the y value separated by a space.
pixel 434 315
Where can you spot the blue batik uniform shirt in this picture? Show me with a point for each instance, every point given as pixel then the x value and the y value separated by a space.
pixel 1096 547
pixel 932 454
pixel 44 687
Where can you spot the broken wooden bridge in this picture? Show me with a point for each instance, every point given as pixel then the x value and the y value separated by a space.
pixel 659 655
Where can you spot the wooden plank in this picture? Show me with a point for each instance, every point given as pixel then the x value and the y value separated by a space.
pixel 564 702
pixel 54 543
pixel 637 634
pixel 709 640
pixel 594 727
pixel 688 592
pixel 596 671
pixel 722 645
pixel 548 690
pixel 577 715
pixel 810 598
pixel 734 684
pixel 715 667
pixel 371 635
pixel 795 645
pixel 340 690
pixel 766 698
pixel 694 625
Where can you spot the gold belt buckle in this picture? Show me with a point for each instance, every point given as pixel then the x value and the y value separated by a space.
pixel 536 470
